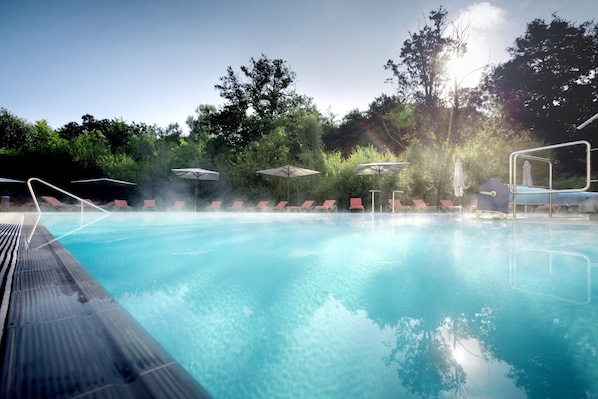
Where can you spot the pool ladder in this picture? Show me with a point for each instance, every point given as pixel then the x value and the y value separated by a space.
pixel 525 154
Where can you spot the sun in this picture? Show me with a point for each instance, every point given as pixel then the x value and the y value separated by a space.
pixel 479 24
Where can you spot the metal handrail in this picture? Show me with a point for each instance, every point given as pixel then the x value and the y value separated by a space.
pixel 60 190
pixel 524 154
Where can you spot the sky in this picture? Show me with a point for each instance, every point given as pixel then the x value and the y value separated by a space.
pixel 156 61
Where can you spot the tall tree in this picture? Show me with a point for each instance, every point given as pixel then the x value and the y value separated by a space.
pixel 263 91
pixel 421 75
pixel 550 84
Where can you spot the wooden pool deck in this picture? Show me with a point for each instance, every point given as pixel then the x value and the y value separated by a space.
pixel 64 336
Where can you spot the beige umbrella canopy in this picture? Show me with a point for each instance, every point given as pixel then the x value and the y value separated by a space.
pixel 196 174
pixel 288 171
pixel 7 180
pixel 380 168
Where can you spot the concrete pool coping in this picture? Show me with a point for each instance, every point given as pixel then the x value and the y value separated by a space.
pixel 64 336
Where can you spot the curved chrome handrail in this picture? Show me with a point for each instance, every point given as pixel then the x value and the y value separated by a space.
pixel 60 190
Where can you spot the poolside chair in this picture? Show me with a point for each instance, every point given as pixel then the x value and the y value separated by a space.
pixel 448 206
pixel 149 205
pixel 262 205
pixel 57 204
pixel 236 206
pixel 306 206
pixel 546 207
pixel 327 206
pixel 398 206
pixel 473 205
pixel 280 206
pixel 420 205
pixel 214 206
pixel 121 205
pixel 178 206
pixel 355 204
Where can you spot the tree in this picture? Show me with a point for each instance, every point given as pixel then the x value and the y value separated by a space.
pixel 14 132
pixel 265 91
pixel 550 84
pixel 421 74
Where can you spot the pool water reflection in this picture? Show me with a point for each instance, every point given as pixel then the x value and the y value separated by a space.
pixel 360 306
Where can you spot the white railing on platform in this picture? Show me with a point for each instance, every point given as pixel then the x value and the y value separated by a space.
pixel 525 154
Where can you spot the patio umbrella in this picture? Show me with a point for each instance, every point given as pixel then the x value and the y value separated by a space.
pixel 527 174
pixel 379 168
pixel 196 174
pixel 288 171
pixel 7 180
pixel 105 181
pixel 458 179
pixel 100 186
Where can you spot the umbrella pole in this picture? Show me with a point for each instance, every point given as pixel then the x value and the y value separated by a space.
pixel 195 195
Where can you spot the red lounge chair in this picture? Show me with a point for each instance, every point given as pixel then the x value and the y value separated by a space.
pixel 178 206
pixel 57 204
pixel 262 205
pixel 328 206
pixel 420 205
pixel 149 205
pixel 473 205
pixel 447 205
pixel 355 204
pixel 121 205
pixel 214 206
pixel 281 205
pixel 398 206
pixel 306 206
pixel 236 206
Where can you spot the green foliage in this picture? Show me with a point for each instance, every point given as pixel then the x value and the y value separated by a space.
pixel 254 100
pixel 550 84
pixel 421 74
pixel 14 132
pixel 87 148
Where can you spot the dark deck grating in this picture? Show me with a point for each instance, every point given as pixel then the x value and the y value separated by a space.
pixel 64 336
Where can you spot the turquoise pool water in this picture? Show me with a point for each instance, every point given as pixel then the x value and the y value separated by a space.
pixel 356 305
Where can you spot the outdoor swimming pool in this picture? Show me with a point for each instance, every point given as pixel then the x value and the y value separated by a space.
pixel 356 305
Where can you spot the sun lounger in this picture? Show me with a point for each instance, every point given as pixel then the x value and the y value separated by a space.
pixel 149 205
pixel 306 206
pixel 327 206
pixel 262 205
pixel 355 204
pixel 57 204
pixel 214 206
pixel 420 205
pixel 280 206
pixel 398 206
pixel 236 206
pixel 448 206
pixel 473 205
pixel 121 205
pixel 546 207
pixel 178 206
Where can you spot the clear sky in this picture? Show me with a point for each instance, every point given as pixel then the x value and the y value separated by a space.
pixel 156 61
